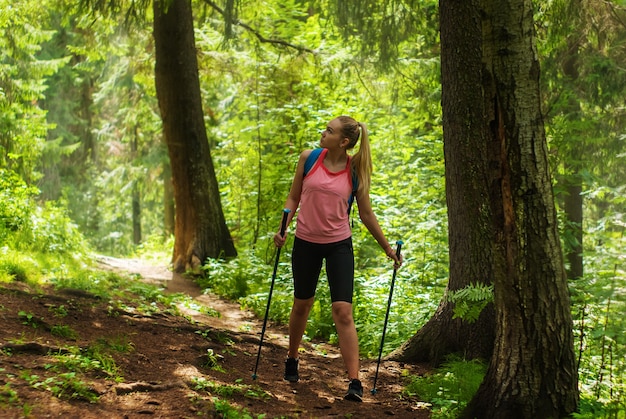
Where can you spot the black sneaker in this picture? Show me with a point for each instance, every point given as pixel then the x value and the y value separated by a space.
pixel 291 370
pixel 355 391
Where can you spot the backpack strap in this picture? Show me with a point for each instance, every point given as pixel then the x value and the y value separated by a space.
pixel 310 161
pixel 355 186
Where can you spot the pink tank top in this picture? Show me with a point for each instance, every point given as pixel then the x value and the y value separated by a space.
pixel 323 214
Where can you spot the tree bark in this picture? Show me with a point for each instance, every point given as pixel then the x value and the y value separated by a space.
pixel 169 210
pixel 469 220
pixel 200 227
pixel 573 209
pixel 136 192
pixel 532 373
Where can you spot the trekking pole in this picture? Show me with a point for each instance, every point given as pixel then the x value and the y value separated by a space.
pixel 283 227
pixel 382 341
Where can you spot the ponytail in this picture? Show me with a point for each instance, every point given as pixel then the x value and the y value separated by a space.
pixel 361 161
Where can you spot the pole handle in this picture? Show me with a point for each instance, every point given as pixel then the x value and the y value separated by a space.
pixel 399 248
pixel 283 225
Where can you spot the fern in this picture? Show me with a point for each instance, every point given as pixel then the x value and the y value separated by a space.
pixel 470 301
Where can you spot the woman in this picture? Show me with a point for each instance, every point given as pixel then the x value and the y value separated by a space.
pixel 323 232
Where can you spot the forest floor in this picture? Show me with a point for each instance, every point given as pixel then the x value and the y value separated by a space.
pixel 195 365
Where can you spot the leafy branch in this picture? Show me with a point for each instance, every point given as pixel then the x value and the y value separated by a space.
pixel 231 20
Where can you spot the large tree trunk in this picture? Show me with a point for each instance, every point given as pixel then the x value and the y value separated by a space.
pixel 200 228
pixel 136 192
pixel 532 373
pixel 169 210
pixel 469 220
pixel 573 208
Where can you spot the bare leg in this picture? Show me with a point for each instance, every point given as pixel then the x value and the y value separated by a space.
pixel 297 323
pixel 348 339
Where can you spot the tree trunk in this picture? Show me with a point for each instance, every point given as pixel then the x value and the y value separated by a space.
pixel 532 373
pixel 573 209
pixel 200 228
pixel 136 210
pixel 169 210
pixel 469 220
pixel 136 194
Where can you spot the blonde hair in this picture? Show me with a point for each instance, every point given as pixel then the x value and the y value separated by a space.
pixel 362 160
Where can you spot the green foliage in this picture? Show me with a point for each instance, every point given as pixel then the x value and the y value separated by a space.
pixel 28 319
pixel 51 231
pixel 598 303
pixel 470 301
pixel 190 304
pixel 64 331
pixel 233 279
pixel 413 299
pixel 154 249
pixel 65 385
pixel 389 25
pixel 225 410
pixel 98 283
pixel 228 391
pixel 450 387
pixel 120 344
pixel 8 396
pixel 27 227
pixel 96 358
pixel 11 270
pixel 16 203
pixel 212 360
pixel 23 124
pixel 591 408
pixel 58 311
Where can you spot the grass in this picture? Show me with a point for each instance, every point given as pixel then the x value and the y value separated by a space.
pixel 66 385
pixel 229 390
pixel 218 394
pixel 225 410
pixel 63 331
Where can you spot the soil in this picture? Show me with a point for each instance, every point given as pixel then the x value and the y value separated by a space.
pixel 163 356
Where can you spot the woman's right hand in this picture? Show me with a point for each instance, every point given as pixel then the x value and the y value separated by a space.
pixel 279 240
pixel 391 254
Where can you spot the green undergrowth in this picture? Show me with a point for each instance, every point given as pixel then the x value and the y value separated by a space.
pixel 450 387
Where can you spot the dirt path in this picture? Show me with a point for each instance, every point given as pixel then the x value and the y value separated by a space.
pixel 168 373
pixel 231 318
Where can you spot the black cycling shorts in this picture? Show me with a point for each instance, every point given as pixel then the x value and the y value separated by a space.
pixel 306 264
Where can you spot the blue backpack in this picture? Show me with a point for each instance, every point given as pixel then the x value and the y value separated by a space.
pixel 310 161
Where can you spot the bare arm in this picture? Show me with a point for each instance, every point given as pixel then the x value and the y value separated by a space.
pixel 293 199
pixel 366 213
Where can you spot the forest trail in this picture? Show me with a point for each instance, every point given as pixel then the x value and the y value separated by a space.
pixel 231 318
pixel 179 366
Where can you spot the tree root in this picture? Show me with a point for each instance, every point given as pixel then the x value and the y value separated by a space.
pixel 33 348
pixel 127 388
